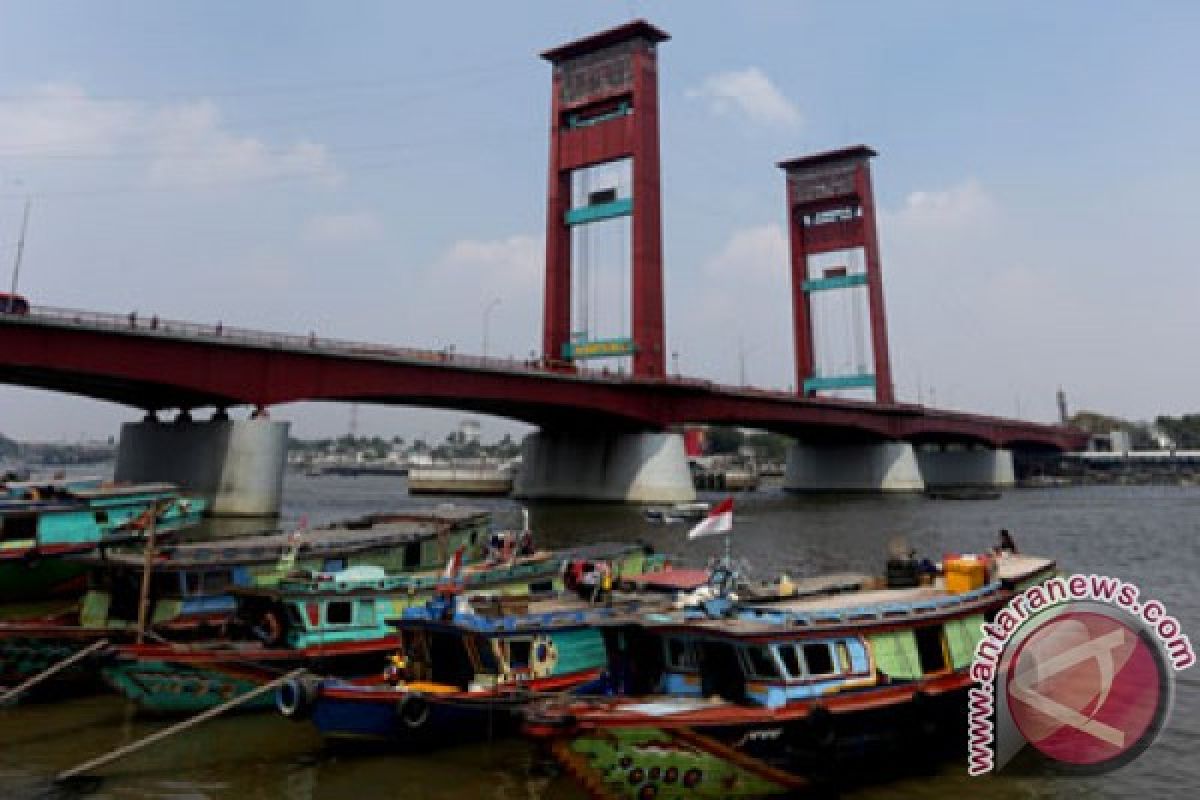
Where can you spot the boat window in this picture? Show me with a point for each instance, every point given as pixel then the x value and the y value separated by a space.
pixel 518 653
pixel 487 656
pixel 759 662
pixel 18 526
pixel 929 648
pixel 680 654
pixel 101 517
pixel 334 565
pixel 294 617
pixel 339 613
pixel 819 659
pixel 449 660
pixel 791 660
pixel 412 555
pixel 366 612
pixel 843 657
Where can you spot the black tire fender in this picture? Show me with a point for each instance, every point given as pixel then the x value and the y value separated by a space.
pixel 413 710
pixel 296 697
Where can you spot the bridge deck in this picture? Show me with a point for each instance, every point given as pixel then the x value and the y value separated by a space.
pixel 154 363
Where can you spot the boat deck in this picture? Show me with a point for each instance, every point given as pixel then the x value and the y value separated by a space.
pixel 270 546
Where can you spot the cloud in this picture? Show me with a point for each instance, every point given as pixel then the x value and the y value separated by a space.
pixel 180 144
pixel 967 205
pixel 447 299
pixel 735 321
pixel 58 118
pixel 192 148
pixel 519 257
pixel 351 228
pixel 748 92
pixel 758 252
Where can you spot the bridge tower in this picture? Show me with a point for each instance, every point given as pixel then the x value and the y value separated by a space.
pixel 604 189
pixel 836 280
pixel 604 173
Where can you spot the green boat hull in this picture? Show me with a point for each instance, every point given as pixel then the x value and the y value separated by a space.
pixel 23 657
pixel 166 688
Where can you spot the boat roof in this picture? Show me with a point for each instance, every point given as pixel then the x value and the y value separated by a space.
pixel 531 615
pixel 856 608
pixel 355 536
pixel 120 490
pixel 355 583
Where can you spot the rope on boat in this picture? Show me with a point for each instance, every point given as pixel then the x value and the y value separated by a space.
pixel 179 727
pixel 54 669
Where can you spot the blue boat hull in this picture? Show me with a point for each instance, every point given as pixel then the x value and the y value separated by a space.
pixel 386 720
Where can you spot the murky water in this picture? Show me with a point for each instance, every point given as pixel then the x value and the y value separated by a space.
pixel 1143 534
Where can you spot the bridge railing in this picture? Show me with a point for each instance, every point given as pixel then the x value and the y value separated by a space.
pixel 155 325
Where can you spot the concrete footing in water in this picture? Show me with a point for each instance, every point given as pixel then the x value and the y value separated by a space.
pixel 619 468
pixel 236 464
pixel 860 467
pixel 961 466
pixel 895 467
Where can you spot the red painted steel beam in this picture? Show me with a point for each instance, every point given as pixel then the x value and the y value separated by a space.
pixel 153 370
pixel 604 106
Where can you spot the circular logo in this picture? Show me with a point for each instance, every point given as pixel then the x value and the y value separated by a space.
pixel 1088 689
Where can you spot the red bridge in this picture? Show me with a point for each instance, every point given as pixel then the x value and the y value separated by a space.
pixel 165 364
pixel 605 433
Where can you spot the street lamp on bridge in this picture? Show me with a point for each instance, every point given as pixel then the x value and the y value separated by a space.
pixel 487 314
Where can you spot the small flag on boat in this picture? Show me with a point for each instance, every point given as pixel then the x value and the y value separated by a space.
pixel 453 565
pixel 719 520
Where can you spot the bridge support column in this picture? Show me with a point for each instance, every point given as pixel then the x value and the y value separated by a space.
pixel 236 464
pixel 869 467
pixel 958 466
pixel 619 468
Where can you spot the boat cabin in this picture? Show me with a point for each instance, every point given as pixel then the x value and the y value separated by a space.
pixel 543 643
pixel 784 651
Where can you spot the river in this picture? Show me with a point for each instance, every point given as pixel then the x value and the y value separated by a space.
pixel 1148 535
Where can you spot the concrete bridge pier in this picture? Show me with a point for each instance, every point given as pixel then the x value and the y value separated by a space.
pixel 607 467
pixel 236 464
pixel 965 466
pixel 858 467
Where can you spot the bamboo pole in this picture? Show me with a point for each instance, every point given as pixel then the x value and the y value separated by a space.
pixel 178 727
pixel 147 570
pixel 13 693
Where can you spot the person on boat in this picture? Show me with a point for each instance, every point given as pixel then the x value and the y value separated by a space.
pixel 526 547
pixel 1006 543
pixel 606 583
pixel 396 672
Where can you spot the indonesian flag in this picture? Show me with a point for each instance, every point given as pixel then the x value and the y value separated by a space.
pixel 719 520
pixel 453 565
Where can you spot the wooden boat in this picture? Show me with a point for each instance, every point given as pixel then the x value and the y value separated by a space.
pixel 41 525
pixel 334 624
pixel 465 671
pixel 965 493
pixel 757 700
pixel 680 512
pixel 190 589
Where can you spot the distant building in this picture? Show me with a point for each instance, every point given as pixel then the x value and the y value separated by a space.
pixel 1112 442
pixel 469 431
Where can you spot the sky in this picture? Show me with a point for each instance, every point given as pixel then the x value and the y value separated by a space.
pixel 377 171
